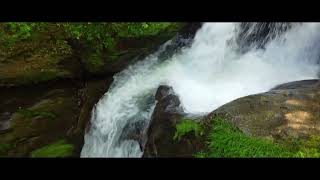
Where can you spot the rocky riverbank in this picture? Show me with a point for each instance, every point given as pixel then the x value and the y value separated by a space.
pixel 47 91
pixel 283 122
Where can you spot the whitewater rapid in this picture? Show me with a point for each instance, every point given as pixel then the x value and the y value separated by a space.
pixel 205 75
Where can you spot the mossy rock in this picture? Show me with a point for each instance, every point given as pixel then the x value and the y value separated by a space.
pixel 48 119
pixel 125 50
pixel 283 122
pixel 224 140
pixel 290 111
pixel 57 149
pixel 38 58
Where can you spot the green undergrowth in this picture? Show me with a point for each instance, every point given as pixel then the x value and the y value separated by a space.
pixel 43 49
pixel 4 148
pixel 57 149
pixel 226 141
pixel 187 126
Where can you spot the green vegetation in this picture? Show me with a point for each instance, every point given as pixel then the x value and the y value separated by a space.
pixel 187 126
pixel 4 148
pixel 13 32
pixel 102 37
pixel 24 40
pixel 225 140
pixel 305 148
pixel 101 34
pixel 57 149
pixel 30 114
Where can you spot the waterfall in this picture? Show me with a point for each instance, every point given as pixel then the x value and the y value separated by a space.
pixel 225 61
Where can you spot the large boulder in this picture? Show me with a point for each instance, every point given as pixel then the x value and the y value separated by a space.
pixel 290 110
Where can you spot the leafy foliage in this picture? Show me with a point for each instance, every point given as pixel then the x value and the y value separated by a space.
pixel 142 29
pixel 103 35
pixel 100 34
pixel 13 32
pixel 187 126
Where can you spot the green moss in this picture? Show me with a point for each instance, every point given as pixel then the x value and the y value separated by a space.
pixel 187 126
pixel 301 148
pixel 4 148
pixel 30 114
pixel 57 149
pixel 225 140
pixel 143 29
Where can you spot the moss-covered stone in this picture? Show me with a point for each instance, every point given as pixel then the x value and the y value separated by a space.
pixel 48 119
pixel 34 60
pixel 32 114
pixel 57 149
pixel 4 148
pixel 283 122
pixel 224 140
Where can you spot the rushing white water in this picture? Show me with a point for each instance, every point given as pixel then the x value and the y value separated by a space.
pixel 205 76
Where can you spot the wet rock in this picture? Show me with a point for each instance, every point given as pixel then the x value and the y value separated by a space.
pixel 87 97
pixel 166 115
pixel 135 131
pixel 4 121
pixel 41 122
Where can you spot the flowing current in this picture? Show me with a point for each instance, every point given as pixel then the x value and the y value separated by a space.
pixel 210 72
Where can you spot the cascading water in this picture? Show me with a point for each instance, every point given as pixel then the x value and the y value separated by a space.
pixel 206 75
